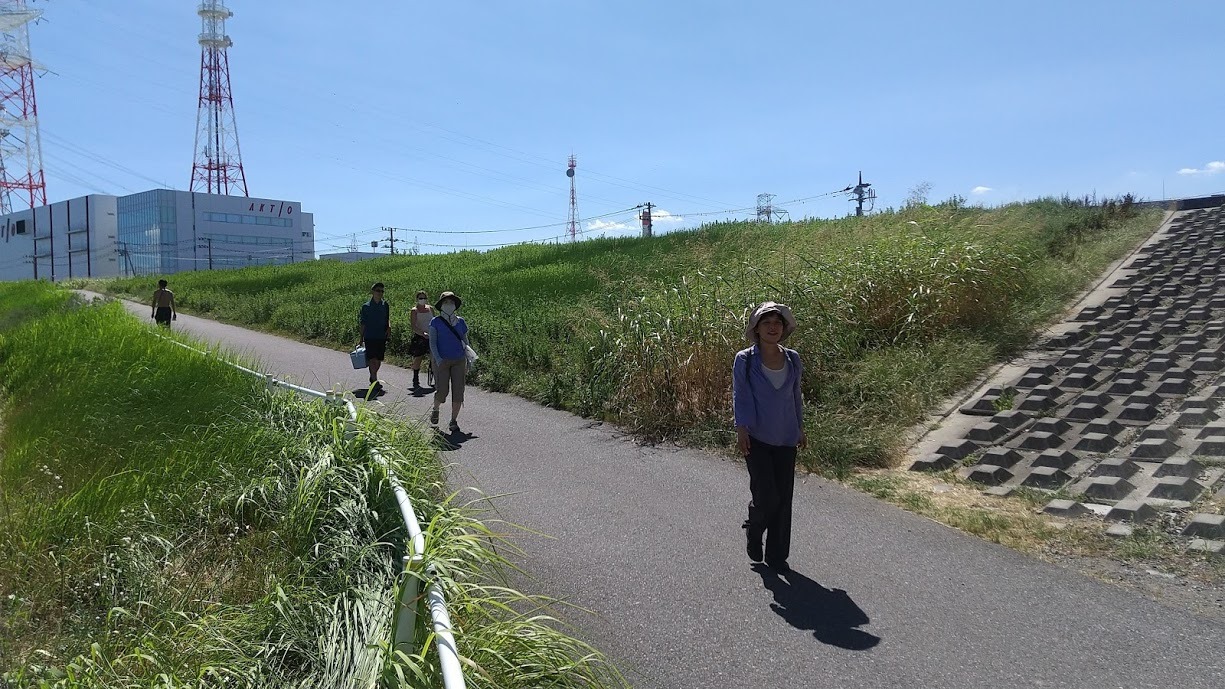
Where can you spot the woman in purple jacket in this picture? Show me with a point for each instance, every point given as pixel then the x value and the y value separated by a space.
pixel 769 413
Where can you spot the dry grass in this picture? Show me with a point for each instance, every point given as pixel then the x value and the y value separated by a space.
pixel 1017 522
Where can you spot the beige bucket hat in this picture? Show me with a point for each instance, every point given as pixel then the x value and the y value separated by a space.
pixel 448 295
pixel 769 307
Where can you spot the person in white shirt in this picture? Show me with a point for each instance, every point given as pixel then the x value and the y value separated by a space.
pixel 419 347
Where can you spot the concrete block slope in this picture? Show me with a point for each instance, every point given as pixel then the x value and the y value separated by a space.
pixel 1124 401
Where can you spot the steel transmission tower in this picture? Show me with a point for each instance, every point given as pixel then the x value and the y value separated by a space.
pixel 572 223
pixel 218 162
pixel 22 183
pixel 767 212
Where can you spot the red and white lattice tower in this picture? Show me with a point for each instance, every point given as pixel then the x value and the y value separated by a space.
pixel 22 183
pixel 218 163
pixel 572 223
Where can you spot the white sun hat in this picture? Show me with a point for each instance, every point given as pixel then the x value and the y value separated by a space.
pixel 767 308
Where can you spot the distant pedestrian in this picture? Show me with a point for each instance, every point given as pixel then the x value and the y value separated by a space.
pixel 374 324
pixel 419 346
pixel 164 309
pixel 769 417
pixel 449 355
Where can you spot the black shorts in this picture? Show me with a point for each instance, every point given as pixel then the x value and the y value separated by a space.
pixel 418 346
pixel 162 316
pixel 376 349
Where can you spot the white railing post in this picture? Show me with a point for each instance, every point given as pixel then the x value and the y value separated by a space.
pixel 444 640
pixel 406 607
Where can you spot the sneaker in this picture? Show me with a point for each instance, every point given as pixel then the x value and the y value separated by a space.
pixel 454 427
pixel 434 417
pixel 752 543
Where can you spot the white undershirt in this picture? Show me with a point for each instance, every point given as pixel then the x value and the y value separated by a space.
pixel 776 377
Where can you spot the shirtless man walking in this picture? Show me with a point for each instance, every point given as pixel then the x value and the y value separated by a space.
pixel 163 305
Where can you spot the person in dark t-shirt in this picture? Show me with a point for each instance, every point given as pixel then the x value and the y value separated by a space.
pixel 374 323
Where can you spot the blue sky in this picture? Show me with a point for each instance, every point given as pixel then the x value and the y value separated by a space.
pixel 460 115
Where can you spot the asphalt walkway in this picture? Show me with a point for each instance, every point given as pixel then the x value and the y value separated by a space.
pixel 648 539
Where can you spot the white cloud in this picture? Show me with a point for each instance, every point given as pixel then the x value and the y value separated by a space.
pixel 980 190
pixel 1212 168
pixel 659 217
pixel 603 226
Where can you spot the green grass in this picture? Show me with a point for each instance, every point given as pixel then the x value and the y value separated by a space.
pixel 165 521
pixel 897 311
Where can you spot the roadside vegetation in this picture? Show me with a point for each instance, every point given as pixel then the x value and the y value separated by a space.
pixel 897 310
pixel 166 521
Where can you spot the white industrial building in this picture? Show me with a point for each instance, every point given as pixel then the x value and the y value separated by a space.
pixel 158 232
pixel 350 256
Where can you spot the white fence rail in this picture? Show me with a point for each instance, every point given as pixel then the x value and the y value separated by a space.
pixel 405 624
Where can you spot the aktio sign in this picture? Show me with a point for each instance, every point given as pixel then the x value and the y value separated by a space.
pixel 280 209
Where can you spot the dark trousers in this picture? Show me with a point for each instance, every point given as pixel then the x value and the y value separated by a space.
pixel 772 483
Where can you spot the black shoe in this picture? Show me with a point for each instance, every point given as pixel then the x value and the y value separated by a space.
pixel 416 383
pixel 779 566
pixel 752 543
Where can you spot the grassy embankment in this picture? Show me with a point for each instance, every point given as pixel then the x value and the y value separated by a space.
pixel 897 311
pixel 165 521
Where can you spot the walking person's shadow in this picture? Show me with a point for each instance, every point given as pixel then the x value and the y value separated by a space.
pixel 366 394
pixel 830 613
pixel 447 441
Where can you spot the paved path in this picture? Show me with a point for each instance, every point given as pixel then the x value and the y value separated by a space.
pixel 649 540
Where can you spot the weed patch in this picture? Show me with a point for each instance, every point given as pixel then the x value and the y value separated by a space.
pixel 896 311
pixel 167 521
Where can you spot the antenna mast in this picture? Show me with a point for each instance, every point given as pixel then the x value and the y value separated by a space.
pixel 218 162
pixel 21 154
pixel 572 223
pixel 863 192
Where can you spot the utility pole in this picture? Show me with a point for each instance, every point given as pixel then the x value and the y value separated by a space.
pixel 128 268
pixel 647 227
pixel 390 241
pixel 209 242
pixel 863 192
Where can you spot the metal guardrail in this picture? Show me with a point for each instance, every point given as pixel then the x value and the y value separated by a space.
pixel 405 624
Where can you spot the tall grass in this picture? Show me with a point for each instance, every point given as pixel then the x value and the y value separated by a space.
pixel 166 521
pixel 896 310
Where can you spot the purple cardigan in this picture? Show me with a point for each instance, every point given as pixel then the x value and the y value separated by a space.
pixel 771 416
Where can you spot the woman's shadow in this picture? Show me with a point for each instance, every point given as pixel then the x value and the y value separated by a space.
pixel 830 613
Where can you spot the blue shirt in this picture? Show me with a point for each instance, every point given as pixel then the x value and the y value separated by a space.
pixel 774 416
pixel 443 343
pixel 376 318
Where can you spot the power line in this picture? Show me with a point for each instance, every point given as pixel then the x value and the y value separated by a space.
pixel 98 158
pixel 516 229
pixel 85 171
